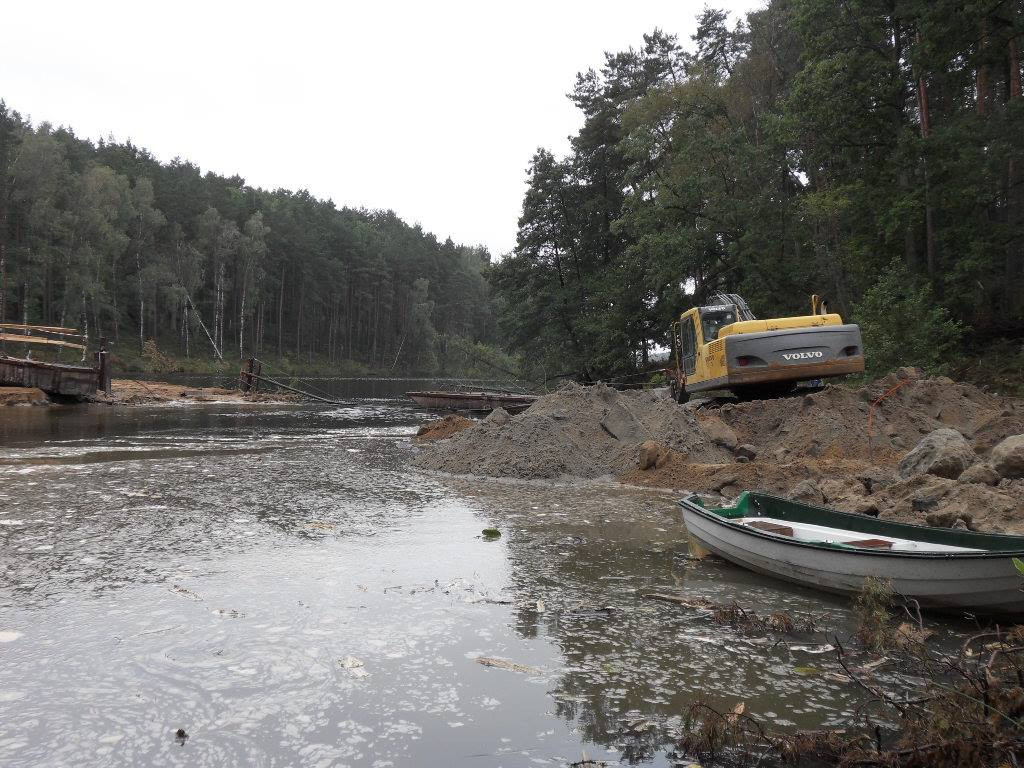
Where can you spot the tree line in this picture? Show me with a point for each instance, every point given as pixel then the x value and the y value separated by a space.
pixel 103 237
pixel 871 151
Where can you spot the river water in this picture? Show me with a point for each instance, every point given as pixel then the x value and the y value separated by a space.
pixel 278 583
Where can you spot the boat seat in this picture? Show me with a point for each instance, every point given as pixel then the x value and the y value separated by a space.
pixel 870 543
pixel 778 530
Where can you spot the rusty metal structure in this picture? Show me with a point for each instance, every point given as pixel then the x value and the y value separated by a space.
pixel 52 377
pixel 472 401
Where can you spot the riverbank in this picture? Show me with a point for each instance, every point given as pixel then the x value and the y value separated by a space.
pixel 125 392
pixel 906 447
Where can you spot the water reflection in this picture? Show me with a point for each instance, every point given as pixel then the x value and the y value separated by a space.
pixel 276 582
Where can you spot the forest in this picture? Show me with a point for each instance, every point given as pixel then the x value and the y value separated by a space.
pixel 191 266
pixel 871 151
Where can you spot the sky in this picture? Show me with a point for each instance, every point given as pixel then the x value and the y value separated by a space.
pixel 430 109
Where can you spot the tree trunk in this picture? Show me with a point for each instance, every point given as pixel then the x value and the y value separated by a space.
pixel 142 303
pixel 280 317
pixel 982 73
pixel 926 129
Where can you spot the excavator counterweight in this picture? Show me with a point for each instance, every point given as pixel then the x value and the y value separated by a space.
pixel 723 346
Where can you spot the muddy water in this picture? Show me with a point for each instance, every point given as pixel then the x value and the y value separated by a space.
pixel 278 584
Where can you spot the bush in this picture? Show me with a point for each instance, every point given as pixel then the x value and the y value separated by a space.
pixel 902 324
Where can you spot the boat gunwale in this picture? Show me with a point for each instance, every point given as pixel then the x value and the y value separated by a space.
pixel 472 395
pixel 883 528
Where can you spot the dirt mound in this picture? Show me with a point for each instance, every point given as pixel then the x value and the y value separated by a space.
pixel 814 447
pixel 442 429
pixel 834 422
pixel 577 431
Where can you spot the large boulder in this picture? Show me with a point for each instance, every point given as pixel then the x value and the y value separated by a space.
pixel 944 453
pixel 719 432
pixel 808 492
pixel 1008 457
pixel 652 455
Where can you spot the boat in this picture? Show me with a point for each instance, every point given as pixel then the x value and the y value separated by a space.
pixel 940 568
pixel 472 401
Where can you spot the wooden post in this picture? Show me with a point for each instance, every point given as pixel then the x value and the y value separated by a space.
pixel 245 375
pixel 103 366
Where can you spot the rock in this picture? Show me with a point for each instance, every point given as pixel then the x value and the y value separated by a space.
pixel 980 473
pixel 1008 457
pixel 746 451
pixel 723 480
pixel 652 455
pixel 866 507
pixel 498 417
pixel 719 432
pixel 948 518
pixel 807 491
pixel 944 453
pixel 874 479
pixel 621 424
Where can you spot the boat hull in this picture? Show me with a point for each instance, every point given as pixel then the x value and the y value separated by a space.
pixel 985 583
pixel 471 401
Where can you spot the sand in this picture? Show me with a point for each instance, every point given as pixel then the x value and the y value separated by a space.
pixel 838 446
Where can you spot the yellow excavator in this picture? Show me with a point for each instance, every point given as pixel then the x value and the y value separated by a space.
pixel 722 346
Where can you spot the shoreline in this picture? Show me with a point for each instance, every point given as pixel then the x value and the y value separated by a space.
pixel 131 392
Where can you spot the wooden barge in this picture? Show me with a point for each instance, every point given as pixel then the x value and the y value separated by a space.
pixel 472 401
pixel 53 378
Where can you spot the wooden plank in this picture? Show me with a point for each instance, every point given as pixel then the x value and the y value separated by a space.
pixel 870 544
pixel 42 340
pixel 52 328
pixel 778 530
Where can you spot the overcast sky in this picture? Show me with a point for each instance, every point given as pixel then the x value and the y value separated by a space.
pixel 432 109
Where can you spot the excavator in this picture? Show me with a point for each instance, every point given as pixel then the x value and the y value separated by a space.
pixel 722 346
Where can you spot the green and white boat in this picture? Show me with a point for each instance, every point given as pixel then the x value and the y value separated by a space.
pixel 835 551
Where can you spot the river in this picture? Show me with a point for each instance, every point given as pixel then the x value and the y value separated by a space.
pixel 277 583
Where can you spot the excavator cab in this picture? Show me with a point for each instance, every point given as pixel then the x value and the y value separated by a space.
pixel 723 346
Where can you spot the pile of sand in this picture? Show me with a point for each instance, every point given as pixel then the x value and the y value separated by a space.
pixel 578 432
pixel 814 446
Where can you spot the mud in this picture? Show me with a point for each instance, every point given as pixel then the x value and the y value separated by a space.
pixel 838 446
pixel 23 396
pixel 133 392
pixel 443 428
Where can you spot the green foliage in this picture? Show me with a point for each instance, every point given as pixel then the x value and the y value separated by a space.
pixel 902 324
pixel 872 610
pixel 778 156
pixel 106 238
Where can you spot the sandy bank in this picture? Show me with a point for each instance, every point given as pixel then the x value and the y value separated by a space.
pixel 133 392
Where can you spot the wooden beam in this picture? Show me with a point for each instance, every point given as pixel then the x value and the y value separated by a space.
pixel 18 338
pixel 51 328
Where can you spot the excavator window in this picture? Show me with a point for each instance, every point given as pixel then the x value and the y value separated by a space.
pixel 688 345
pixel 713 319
